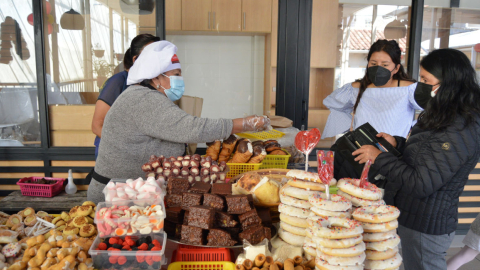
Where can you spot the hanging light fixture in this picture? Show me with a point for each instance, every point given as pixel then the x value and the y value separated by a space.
pixel 72 20
pixel 395 29
pixel 141 7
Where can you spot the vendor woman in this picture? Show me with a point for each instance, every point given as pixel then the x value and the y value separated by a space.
pixel 144 121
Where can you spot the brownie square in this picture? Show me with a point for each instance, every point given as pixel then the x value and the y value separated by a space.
pixel 185 217
pixel 175 214
pixel 268 233
pixel 201 217
pixel 264 214
pixel 191 235
pixel 253 235
pixel 250 218
pixel 234 232
pixel 173 200
pixel 191 199
pixel 224 220
pixel 217 237
pixel 200 187
pixel 222 188
pixel 238 204
pixel 177 185
pixel 214 201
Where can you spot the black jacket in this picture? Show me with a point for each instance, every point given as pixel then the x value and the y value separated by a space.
pixel 427 181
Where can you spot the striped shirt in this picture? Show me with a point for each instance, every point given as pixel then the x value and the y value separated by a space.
pixel 390 110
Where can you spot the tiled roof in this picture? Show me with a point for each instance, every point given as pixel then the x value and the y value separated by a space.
pixel 360 39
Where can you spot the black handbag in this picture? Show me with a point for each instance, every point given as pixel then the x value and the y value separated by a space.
pixel 345 164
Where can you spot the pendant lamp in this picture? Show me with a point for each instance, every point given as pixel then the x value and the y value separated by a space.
pixel 395 29
pixel 72 20
pixel 140 7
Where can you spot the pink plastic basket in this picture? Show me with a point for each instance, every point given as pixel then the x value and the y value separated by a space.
pixel 38 190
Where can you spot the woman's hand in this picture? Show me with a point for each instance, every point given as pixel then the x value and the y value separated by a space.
pixel 367 152
pixel 389 138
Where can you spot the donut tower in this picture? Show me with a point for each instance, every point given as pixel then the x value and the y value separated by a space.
pixel 379 222
pixel 295 209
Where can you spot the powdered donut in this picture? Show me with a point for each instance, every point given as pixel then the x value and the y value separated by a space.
pixel 375 237
pixel 336 228
pixel 376 214
pixel 370 192
pixel 336 202
pixel 374 255
pixel 342 261
pixel 307 185
pixel 294 221
pixel 359 202
pixel 338 243
pixel 321 264
pixel 294 201
pixel 391 263
pixel 326 213
pixel 290 238
pixel 379 227
pixel 384 245
pixel 298 193
pixel 309 250
pixel 343 252
pixel 292 229
pixel 293 211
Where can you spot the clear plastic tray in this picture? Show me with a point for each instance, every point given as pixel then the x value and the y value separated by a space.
pixel 148 201
pixel 113 223
pixel 131 256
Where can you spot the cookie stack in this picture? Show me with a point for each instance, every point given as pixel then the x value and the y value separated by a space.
pixel 295 209
pixel 379 224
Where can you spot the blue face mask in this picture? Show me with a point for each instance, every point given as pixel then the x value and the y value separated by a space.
pixel 177 87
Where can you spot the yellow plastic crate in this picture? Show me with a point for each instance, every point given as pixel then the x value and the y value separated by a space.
pixel 238 168
pixel 276 161
pixel 262 135
pixel 201 266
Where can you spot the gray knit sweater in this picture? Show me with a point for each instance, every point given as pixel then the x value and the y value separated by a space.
pixel 144 122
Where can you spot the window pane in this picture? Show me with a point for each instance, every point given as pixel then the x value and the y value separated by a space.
pixel 19 121
pixel 85 47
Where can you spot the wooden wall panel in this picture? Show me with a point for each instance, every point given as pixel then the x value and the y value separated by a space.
pixel 21 163
pixel 20 175
pixel 74 175
pixel 71 117
pixel 72 138
pixel 324 33
pixel 72 163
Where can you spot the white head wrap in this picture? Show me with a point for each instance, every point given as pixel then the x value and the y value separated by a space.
pixel 155 59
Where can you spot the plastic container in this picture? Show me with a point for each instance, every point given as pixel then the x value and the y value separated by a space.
pixel 157 221
pixel 239 168
pixel 262 135
pixel 201 266
pixel 186 253
pixel 131 256
pixel 276 161
pixel 148 201
pixel 39 190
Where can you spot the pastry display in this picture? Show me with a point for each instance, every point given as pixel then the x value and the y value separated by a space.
pixel 265 191
pixel 227 148
pixel 262 261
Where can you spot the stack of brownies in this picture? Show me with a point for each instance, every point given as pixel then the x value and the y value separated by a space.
pixel 209 214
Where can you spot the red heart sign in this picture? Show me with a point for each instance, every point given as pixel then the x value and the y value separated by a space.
pixel 305 141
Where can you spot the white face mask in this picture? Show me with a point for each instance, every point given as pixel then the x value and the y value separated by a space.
pixel 434 92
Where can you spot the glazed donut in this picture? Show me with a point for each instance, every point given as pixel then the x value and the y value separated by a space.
pixel 384 245
pixel 336 202
pixel 303 175
pixel 391 263
pixel 294 201
pixel 298 193
pixel 341 228
pixel 338 243
pixel 343 252
pixel 310 185
pixel 359 202
pixel 376 214
pixel 376 237
pixel 290 238
pixel 342 261
pixel 293 211
pixel 292 229
pixel 324 265
pixel 326 213
pixel 370 192
pixel 379 227
pixel 294 221
pixel 374 255
pixel 310 250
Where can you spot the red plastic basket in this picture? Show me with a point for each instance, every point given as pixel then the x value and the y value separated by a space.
pixel 38 190
pixel 186 253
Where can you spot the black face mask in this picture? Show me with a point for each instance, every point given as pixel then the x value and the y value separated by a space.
pixel 423 94
pixel 378 75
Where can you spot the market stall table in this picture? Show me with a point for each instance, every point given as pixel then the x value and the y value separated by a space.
pixel 15 202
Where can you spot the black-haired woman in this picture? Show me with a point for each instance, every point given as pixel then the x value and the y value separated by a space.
pixel 116 84
pixel 442 150
pixel 383 97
